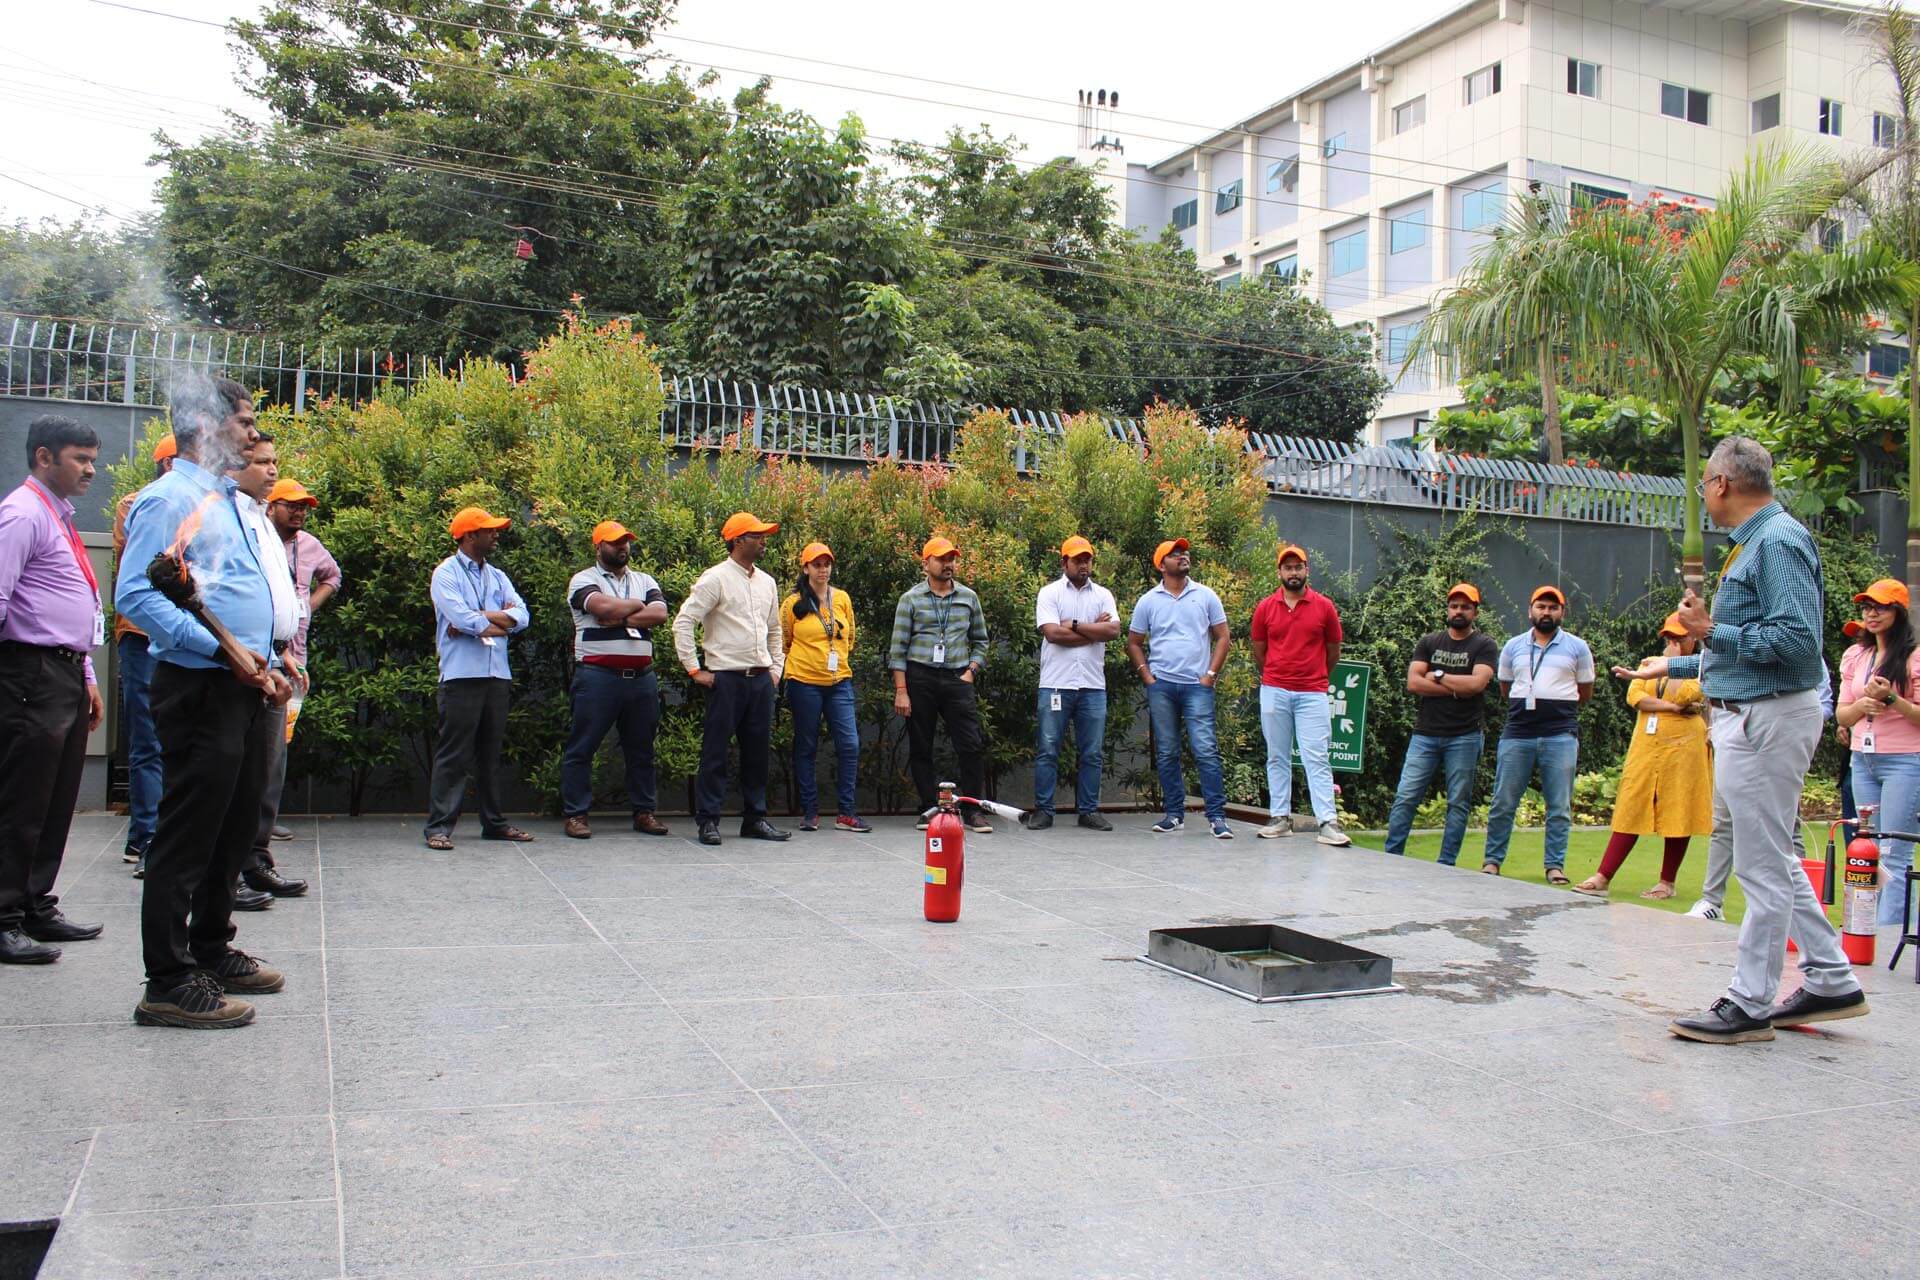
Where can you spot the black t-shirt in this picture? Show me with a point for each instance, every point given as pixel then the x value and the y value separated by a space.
pixel 1449 717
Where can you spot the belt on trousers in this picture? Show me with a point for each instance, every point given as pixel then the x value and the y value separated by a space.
pixel 1734 704
pixel 59 651
pixel 625 673
pixel 744 671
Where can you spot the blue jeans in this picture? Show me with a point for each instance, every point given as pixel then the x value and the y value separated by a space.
pixel 834 702
pixel 1284 716
pixel 1086 710
pixel 1891 781
pixel 1459 756
pixel 602 698
pixel 1169 704
pixel 143 745
pixel 1515 762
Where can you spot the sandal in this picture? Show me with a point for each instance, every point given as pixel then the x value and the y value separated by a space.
pixel 1489 868
pixel 1591 889
pixel 440 842
pixel 514 834
pixel 1555 876
pixel 1659 892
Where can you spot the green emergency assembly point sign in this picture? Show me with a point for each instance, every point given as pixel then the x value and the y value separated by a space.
pixel 1347 709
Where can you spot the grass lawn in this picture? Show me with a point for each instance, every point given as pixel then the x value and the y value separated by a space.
pixel 1583 859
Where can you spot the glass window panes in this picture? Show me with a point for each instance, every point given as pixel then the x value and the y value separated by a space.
pixel 1283 268
pixel 1832 235
pixel 1185 215
pixel 1410 115
pixel 1886 360
pixel 1481 209
pixel 1829 123
pixel 1227 198
pixel 1400 342
pixel 1682 103
pixel 1227 282
pixel 1583 78
pixel 1586 195
pixel 1347 254
pixel 1483 83
pixel 1409 231
pixel 1886 130
pixel 1766 113
pixel 1283 175
pixel 1334 146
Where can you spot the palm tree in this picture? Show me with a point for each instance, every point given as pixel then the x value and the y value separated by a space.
pixel 1893 210
pixel 1661 294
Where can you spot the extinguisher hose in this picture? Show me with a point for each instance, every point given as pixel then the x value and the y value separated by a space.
pixel 1826 886
pixel 1006 811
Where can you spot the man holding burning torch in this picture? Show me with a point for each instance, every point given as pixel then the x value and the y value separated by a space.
pixel 214 688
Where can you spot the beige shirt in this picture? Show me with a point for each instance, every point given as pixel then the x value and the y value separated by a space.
pixel 737 609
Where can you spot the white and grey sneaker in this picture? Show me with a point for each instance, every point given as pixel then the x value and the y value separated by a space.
pixel 1330 833
pixel 1704 910
pixel 1167 824
pixel 1279 829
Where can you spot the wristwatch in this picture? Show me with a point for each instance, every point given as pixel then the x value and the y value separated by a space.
pixel 1073 625
pixel 1439 675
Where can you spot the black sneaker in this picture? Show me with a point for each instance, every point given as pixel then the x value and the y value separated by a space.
pixel 1039 820
pixel 132 854
pixel 1095 822
pixel 1803 1007
pixel 238 971
pixel 1725 1023
pixel 197 1003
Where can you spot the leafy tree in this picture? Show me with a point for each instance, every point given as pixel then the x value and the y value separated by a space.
pixel 79 269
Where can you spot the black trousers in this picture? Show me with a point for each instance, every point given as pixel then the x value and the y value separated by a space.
pixel 466 748
pixel 738 706
pixel 940 694
pixel 260 856
pixel 602 698
pixel 214 750
pixel 43 747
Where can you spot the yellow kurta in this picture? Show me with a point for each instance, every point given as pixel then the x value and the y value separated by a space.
pixel 1666 787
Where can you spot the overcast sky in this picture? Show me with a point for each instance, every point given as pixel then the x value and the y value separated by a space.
pixel 83 85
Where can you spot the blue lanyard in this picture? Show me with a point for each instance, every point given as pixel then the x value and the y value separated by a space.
pixel 480 591
pixel 1534 676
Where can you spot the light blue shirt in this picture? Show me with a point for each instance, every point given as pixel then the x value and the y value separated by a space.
pixel 223 557
pixel 464 591
pixel 1176 629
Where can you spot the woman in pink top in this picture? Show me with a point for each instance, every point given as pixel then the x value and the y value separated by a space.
pixel 1879 680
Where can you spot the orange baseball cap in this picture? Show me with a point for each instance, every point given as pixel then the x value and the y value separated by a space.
pixel 745 522
pixel 1166 548
pixel 813 551
pixel 1553 593
pixel 1886 591
pixel 938 547
pixel 1672 627
pixel 1292 550
pixel 1466 589
pixel 291 491
pixel 468 519
pixel 611 531
pixel 1076 546
pixel 1853 628
pixel 166 447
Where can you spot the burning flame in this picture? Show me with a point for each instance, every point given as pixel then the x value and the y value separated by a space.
pixel 188 528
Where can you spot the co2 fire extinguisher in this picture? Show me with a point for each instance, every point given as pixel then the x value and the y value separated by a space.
pixel 1860 913
pixel 946 858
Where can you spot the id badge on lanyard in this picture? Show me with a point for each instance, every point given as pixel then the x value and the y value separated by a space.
pixel 1864 740
pixel 826 625
pixel 1534 675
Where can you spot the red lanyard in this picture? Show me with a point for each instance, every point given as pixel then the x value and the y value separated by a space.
pixel 73 540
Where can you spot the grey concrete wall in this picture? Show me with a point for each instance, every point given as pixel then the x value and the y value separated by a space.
pixel 119 427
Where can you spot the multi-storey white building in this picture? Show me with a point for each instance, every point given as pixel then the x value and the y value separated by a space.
pixel 1378 183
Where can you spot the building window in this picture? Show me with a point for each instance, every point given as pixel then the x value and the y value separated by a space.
pixel 1829 117
pixel 1347 255
pixel 1227 198
pixel 1282 268
pixel 1283 175
pixel 1334 146
pixel 1886 360
pixel 1482 209
pixel 1225 283
pixel 1483 83
pixel 1399 342
pixel 1886 130
pixel 1766 113
pixel 1185 215
pixel 1682 103
pixel 1408 231
pixel 1583 78
pixel 1831 234
pixel 1585 195
pixel 1410 115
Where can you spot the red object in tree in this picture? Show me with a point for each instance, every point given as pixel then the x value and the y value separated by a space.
pixel 523 249
pixel 946 860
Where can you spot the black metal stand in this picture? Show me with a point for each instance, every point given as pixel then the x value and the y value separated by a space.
pixel 1907 932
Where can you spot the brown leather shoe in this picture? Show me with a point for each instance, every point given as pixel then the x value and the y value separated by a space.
pixel 579 828
pixel 648 825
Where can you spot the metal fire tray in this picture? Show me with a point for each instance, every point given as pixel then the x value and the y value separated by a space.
pixel 1266 963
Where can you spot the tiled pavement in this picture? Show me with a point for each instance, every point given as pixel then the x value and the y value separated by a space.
pixel 639 1057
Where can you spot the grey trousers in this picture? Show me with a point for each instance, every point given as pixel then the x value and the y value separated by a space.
pixel 1720 858
pixel 1761 754
pixel 473 728
pixel 260 857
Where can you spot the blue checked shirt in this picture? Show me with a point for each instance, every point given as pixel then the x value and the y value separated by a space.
pixel 1766 614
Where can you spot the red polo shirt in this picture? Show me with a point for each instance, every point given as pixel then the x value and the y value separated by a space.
pixel 1296 640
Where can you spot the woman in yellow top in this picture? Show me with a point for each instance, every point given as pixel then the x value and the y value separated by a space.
pixel 817 623
pixel 1666 787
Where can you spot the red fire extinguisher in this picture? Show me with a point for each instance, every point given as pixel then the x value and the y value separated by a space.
pixel 1860 914
pixel 946 858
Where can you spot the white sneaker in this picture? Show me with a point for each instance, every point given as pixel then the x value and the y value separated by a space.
pixel 1704 910
pixel 1279 829
pixel 1330 833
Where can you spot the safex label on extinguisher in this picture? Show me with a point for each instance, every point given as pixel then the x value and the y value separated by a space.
pixel 1862 910
pixel 936 875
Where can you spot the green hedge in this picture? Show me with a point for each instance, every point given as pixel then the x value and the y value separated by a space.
pixel 577 441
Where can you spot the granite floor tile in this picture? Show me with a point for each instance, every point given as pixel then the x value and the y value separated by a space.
pixel 428 922
pixel 37 1179
pixel 372 979
pixel 198 1163
pixel 1073 954
pixel 749 921
pixel 803 965
pixel 255 1242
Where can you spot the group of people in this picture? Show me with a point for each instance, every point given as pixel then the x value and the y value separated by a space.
pixel 209 722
